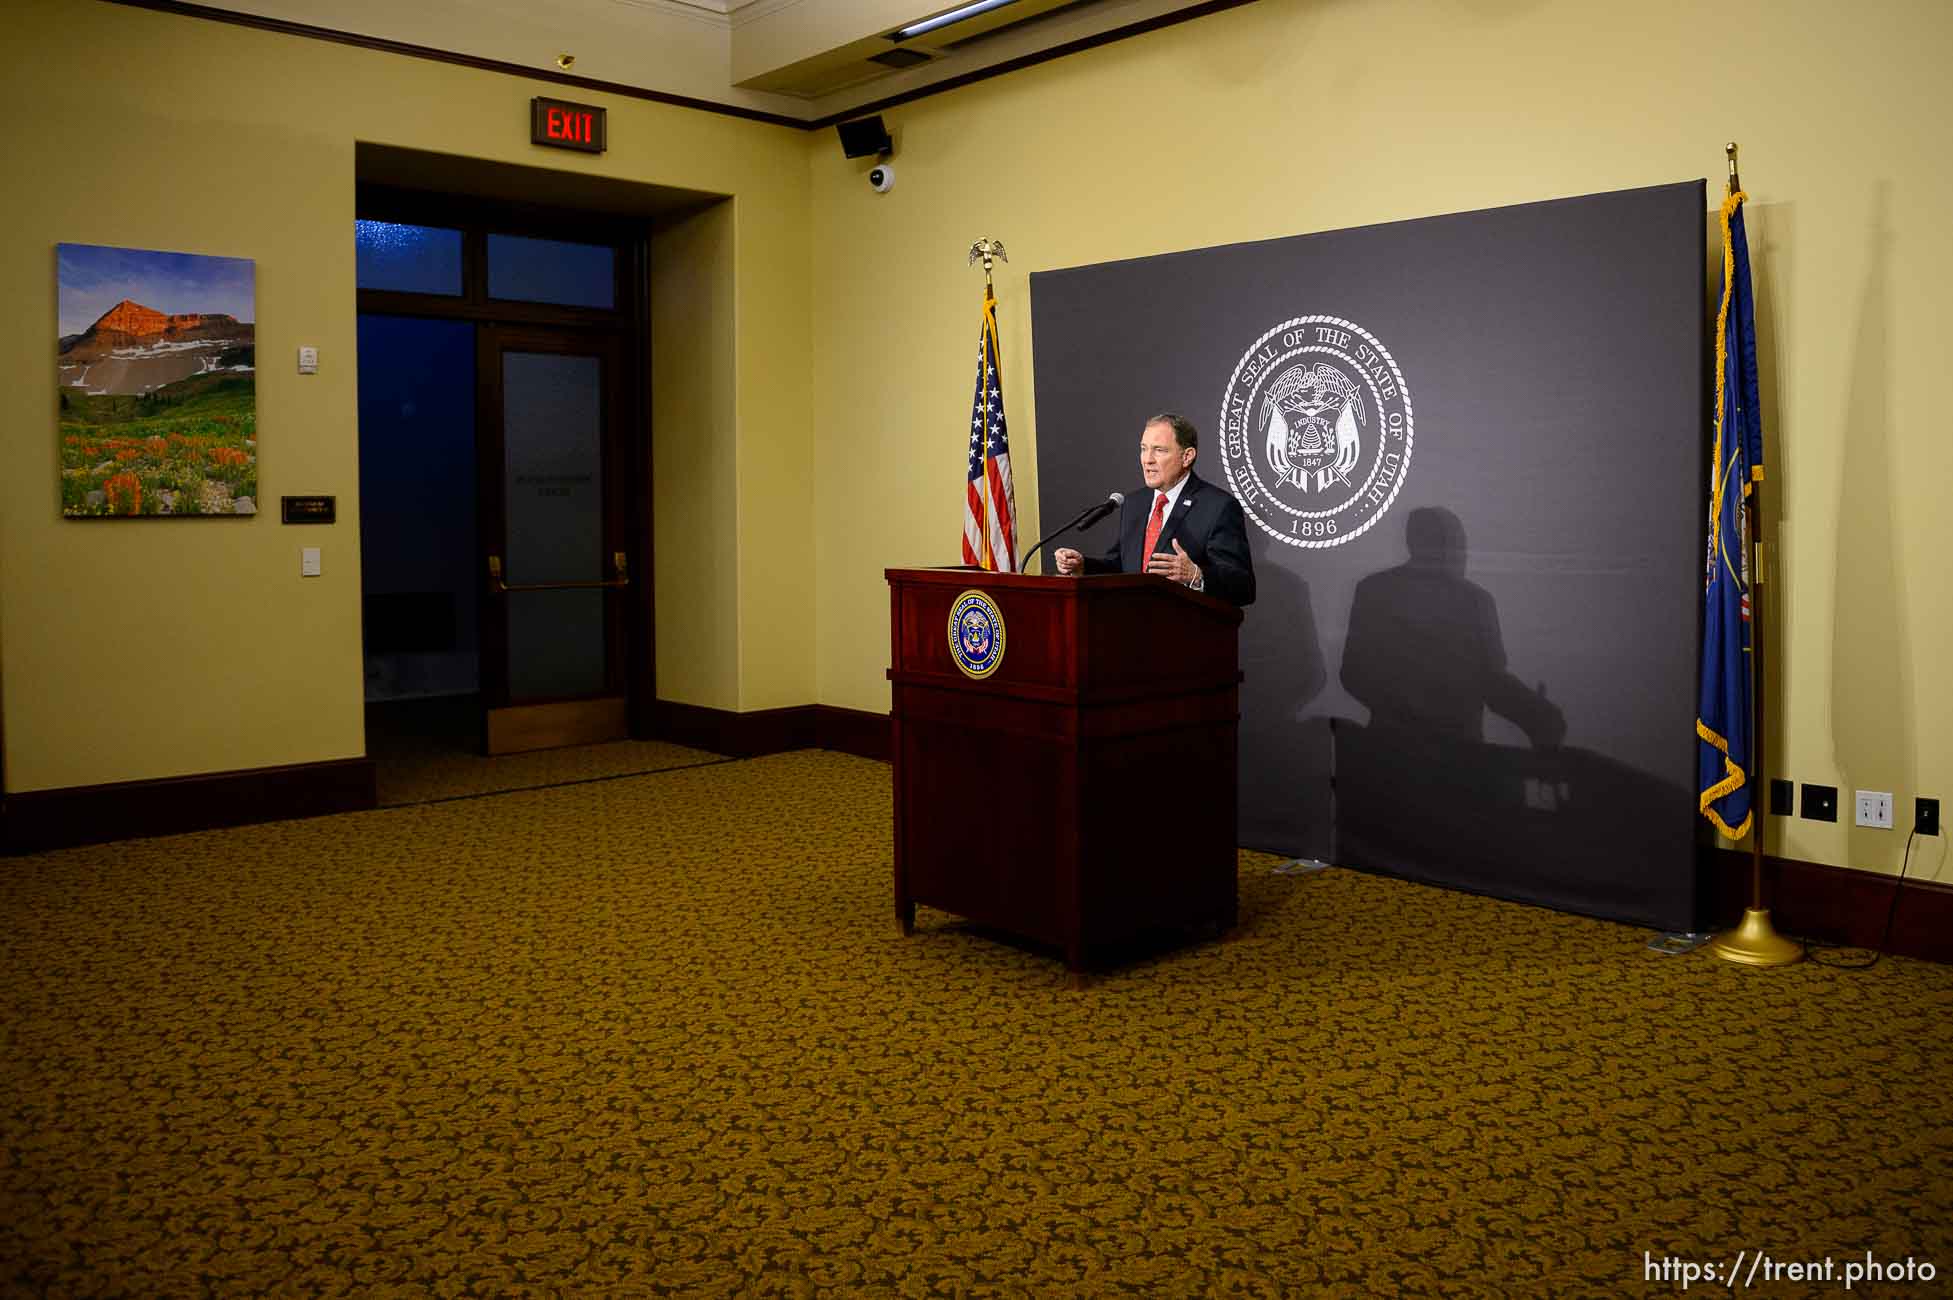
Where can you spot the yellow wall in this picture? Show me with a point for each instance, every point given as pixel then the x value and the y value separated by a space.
pixel 159 648
pixel 693 444
pixel 1286 116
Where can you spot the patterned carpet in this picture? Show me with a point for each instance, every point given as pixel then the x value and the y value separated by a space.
pixel 659 1034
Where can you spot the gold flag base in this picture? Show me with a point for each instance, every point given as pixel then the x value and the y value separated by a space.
pixel 1756 943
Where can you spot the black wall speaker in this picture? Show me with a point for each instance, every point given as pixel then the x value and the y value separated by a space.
pixel 865 138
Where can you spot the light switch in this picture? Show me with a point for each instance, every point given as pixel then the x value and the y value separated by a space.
pixel 308 361
pixel 308 562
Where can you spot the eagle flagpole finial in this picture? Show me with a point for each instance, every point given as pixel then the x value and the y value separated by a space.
pixel 989 252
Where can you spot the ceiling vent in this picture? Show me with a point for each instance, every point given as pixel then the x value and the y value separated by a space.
pixel 900 57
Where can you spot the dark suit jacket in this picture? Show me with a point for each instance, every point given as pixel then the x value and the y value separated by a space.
pixel 1210 528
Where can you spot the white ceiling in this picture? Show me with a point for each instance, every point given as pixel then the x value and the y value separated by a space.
pixel 806 60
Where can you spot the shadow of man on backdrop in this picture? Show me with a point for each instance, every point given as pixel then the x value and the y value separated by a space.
pixel 1424 652
pixel 1420 793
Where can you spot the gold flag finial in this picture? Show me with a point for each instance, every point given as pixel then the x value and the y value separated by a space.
pixel 1735 184
pixel 989 252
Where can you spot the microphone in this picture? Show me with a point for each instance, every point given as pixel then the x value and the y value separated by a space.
pixel 1086 518
pixel 1098 512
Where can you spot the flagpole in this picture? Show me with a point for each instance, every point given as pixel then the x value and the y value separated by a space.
pixel 1754 941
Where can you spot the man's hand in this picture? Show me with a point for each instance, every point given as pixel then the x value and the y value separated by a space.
pixel 1068 560
pixel 1177 566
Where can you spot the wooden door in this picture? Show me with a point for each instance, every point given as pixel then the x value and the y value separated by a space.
pixel 555 561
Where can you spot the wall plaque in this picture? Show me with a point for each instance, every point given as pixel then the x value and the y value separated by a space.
pixel 310 510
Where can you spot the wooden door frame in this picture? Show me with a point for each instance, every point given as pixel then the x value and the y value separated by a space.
pixel 630 321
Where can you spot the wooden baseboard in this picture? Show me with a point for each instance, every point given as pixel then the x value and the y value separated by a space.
pixel 737 735
pixel 1839 905
pixel 852 731
pixel 772 731
pixel 54 819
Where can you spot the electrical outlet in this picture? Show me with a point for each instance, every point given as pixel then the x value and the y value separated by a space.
pixel 1783 797
pixel 1875 809
pixel 1820 803
pixel 1925 816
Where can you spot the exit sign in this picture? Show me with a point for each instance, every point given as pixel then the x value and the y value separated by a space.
pixel 563 125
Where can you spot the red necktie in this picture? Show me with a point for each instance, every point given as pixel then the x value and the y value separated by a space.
pixel 1153 529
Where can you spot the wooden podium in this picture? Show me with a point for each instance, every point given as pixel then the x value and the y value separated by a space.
pixel 1082 793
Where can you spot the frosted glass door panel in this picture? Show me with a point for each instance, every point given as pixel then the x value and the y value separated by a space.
pixel 552 438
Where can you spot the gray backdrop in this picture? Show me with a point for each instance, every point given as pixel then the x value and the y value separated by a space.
pixel 1519 399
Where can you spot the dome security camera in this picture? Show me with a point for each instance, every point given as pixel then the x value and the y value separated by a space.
pixel 881 178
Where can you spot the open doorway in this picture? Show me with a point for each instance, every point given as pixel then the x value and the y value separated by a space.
pixel 505 318
pixel 495 457
pixel 418 530
pixel 502 450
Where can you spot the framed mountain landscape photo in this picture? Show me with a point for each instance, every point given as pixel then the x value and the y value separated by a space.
pixel 158 383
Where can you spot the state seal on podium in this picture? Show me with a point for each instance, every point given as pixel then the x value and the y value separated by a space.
pixel 976 634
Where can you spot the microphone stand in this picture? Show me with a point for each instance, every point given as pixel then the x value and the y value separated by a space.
pixel 1101 510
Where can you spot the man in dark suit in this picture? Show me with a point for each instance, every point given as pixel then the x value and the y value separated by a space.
pixel 1182 528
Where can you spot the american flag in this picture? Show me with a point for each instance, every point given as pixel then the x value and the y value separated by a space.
pixel 989 507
